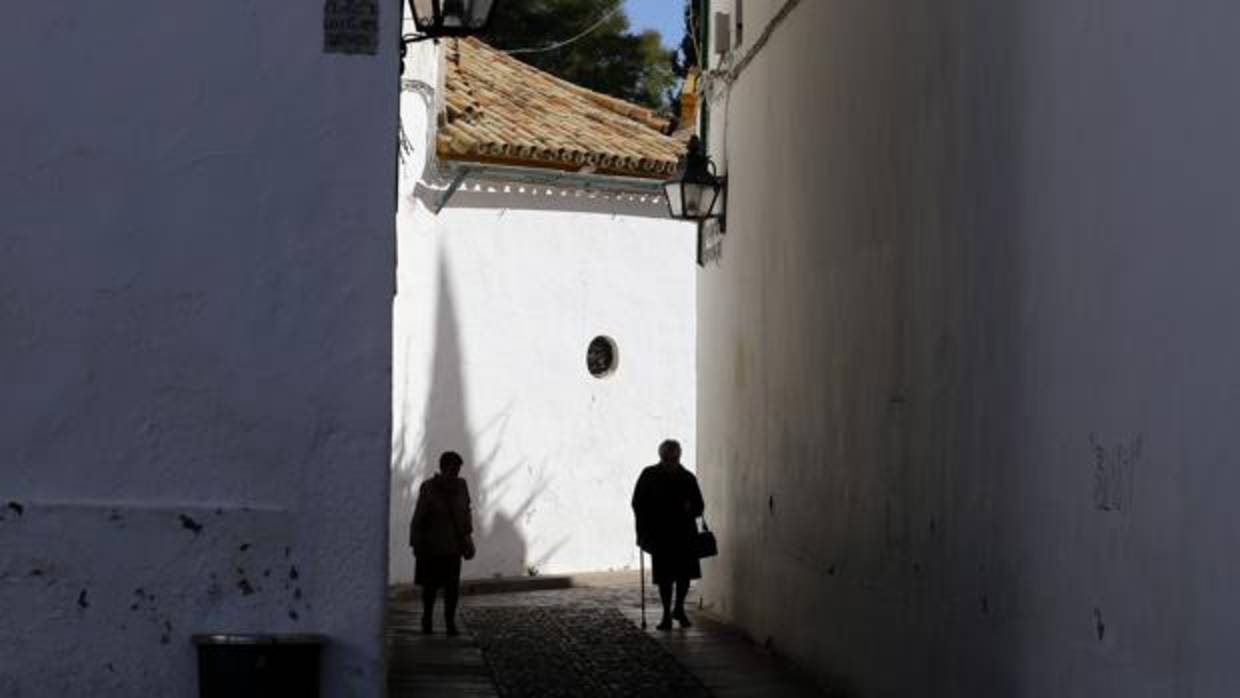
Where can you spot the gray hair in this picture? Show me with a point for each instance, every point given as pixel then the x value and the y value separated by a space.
pixel 667 447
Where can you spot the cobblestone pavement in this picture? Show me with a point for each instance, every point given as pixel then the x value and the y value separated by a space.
pixel 718 656
pixel 576 652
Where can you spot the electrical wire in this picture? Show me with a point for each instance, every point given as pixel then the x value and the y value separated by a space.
pixel 573 40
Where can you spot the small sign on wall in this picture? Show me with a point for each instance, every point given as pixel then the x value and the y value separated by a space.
pixel 710 243
pixel 351 26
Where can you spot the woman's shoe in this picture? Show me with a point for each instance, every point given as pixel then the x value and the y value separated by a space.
pixel 426 626
pixel 452 631
pixel 682 619
pixel 665 624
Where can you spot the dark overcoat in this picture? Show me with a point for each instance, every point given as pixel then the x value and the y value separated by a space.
pixel 666 503
pixel 441 524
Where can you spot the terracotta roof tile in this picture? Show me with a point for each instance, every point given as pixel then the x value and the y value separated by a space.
pixel 498 109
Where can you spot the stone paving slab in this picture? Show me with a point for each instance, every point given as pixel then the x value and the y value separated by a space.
pixel 433 665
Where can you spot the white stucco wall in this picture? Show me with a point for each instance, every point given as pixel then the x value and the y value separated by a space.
pixel 196 272
pixel 967 365
pixel 499 296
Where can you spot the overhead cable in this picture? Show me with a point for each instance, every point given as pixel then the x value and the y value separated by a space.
pixel 566 42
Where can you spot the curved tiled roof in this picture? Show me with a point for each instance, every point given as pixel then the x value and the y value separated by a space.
pixel 500 110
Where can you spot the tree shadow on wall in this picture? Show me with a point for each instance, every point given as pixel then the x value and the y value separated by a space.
pixel 502 548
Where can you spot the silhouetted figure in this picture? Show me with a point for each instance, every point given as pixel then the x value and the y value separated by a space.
pixel 667 501
pixel 441 533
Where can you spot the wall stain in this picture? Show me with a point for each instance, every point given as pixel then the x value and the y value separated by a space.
pixel 1099 626
pixel 17 508
pixel 214 590
pixel 81 600
pixel 190 524
pixel 1115 471
pixel 985 605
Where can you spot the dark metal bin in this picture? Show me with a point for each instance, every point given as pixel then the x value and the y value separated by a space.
pixel 258 666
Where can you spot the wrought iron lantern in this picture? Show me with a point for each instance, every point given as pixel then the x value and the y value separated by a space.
pixel 440 18
pixel 694 193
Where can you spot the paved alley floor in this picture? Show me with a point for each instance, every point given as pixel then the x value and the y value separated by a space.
pixel 582 642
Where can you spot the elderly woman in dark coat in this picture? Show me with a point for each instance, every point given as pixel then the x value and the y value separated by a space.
pixel 441 534
pixel 667 502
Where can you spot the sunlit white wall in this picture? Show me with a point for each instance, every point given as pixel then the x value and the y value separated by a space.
pixel 499 296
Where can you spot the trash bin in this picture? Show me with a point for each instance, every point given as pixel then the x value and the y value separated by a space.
pixel 258 666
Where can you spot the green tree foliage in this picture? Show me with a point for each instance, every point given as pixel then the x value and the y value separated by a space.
pixel 611 59
pixel 685 58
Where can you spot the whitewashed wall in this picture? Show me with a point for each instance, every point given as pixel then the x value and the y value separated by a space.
pixel 968 364
pixel 499 296
pixel 196 273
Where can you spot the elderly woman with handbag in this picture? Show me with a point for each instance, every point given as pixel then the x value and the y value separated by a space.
pixel 441 533
pixel 666 503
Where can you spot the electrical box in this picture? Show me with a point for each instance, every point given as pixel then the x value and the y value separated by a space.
pixel 723 32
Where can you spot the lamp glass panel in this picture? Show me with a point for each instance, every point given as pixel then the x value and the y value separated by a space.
pixel 451 17
pixel 455 14
pixel 710 197
pixel 479 13
pixel 424 13
pixel 694 199
pixel 466 14
pixel 675 201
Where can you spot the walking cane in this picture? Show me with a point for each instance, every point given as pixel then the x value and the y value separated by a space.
pixel 641 555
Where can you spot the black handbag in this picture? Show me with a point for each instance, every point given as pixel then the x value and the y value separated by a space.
pixel 704 543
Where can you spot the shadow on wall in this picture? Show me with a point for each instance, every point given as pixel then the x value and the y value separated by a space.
pixel 502 547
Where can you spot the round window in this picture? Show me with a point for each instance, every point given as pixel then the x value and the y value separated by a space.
pixel 601 357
